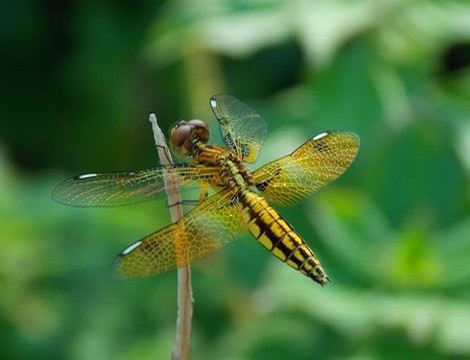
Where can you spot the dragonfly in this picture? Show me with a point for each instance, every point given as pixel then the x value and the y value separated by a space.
pixel 242 201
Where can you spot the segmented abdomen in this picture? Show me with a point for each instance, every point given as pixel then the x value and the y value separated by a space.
pixel 278 236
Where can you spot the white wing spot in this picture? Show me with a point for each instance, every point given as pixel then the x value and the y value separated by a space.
pixel 87 176
pixel 131 248
pixel 319 136
pixel 213 103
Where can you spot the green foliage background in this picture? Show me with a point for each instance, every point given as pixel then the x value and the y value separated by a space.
pixel 79 80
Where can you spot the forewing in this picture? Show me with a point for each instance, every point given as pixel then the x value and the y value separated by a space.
pixel 311 166
pixel 242 129
pixel 122 188
pixel 202 231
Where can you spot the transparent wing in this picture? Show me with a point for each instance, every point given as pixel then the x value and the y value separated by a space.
pixel 242 129
pixel 122 188
pixel 311 166
pixel 202 231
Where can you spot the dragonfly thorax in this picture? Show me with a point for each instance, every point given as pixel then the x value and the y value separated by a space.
pixel 187 134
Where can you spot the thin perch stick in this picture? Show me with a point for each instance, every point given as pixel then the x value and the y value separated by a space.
pixel 182 347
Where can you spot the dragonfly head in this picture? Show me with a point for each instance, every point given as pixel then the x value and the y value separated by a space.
pixel 186 133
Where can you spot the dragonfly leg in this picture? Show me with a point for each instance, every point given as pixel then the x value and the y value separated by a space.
pixel 184 202
pixel 203 195
pixel 168 159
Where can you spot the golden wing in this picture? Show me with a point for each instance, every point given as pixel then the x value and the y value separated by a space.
pixel 212 224
pixel 242 129
pixel 122 188
pixel 314 164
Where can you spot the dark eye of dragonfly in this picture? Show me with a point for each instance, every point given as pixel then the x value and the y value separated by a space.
pixel 185 132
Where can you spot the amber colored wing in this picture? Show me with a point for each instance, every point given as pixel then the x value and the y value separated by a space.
pixel 210 225
pixel 314 164
pixel 242 129
pixel 122 188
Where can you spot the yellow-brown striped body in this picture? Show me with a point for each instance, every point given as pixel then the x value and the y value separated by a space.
pixel 278 236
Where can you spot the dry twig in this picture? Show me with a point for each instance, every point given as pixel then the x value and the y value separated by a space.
pixel 182 347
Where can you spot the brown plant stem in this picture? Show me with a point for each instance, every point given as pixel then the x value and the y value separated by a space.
pixel 182 347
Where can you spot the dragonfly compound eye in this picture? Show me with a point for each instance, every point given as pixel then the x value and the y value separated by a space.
pixel 180 138
pixel 200 129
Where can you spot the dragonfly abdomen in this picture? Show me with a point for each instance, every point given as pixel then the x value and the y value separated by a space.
pixel 278 236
